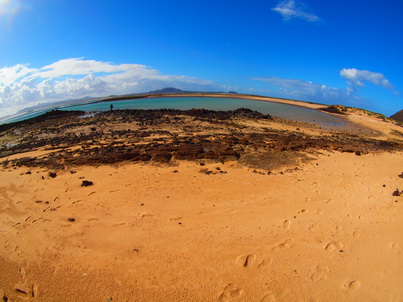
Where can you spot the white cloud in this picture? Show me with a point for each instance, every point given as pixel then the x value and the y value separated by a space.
pixel 292 9
pixel 22 86
pixel 357 78
pixel 312 92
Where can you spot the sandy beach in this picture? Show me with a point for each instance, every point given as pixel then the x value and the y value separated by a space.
pixel 199 208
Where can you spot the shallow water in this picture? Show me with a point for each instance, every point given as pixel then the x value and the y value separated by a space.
pixel 211 103
pixel 217 103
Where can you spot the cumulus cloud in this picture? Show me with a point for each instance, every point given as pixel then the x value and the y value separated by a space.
pixel 22 86
pixel 357 78
pixel 290 9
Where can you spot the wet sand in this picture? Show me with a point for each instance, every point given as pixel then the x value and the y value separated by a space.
pixel 320 222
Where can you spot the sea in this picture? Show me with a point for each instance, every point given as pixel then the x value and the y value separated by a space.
pixel 211 103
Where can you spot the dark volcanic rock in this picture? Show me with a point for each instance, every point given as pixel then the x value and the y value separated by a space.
pixel 166 135
pixel 86 183
pixel 52 174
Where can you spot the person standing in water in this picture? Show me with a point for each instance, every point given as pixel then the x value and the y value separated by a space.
pixel 111 106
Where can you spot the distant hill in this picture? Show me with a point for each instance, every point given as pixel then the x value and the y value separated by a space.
pixel 398 116
pixel 172 90
pixel 168 90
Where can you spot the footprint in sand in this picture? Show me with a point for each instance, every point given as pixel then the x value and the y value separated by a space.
pixel 321 273
pixel 176 218
pixel 269 298
pixel 286 224
pixel 357 233
pixel 394 246
pixel 25 290
pixel 339 230
pixel 246 260
pixel 351 284
pixel 284 245
pixel 230 293
pixel 249 261
pixel 119 224
pixel 334 246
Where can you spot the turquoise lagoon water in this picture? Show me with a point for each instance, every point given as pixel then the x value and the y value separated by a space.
pixel 211 103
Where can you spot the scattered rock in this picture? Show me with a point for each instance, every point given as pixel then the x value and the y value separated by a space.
pixel 396 193
pixel 38 201
pixel 175 171
pixel 358 153
pixel 86 183
pixel 71 219
pixel 28 172
pixel 400 175
pixel 52 174
pixel 206 171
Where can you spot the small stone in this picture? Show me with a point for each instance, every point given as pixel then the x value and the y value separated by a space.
pixel 28 172
pixel 52 174
pixel 71 219
pixel 400 175
pixel 175 171
pixel 38 201
pixel 73 172
pixel 86 183
pixel 396 193
pixel 341 251
pixel 358 153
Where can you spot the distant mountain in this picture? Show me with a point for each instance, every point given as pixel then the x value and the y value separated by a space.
pixel 398 116
pixel 168 90
pixel 172 90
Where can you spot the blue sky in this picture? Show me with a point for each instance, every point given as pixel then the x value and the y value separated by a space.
pixel 332 52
